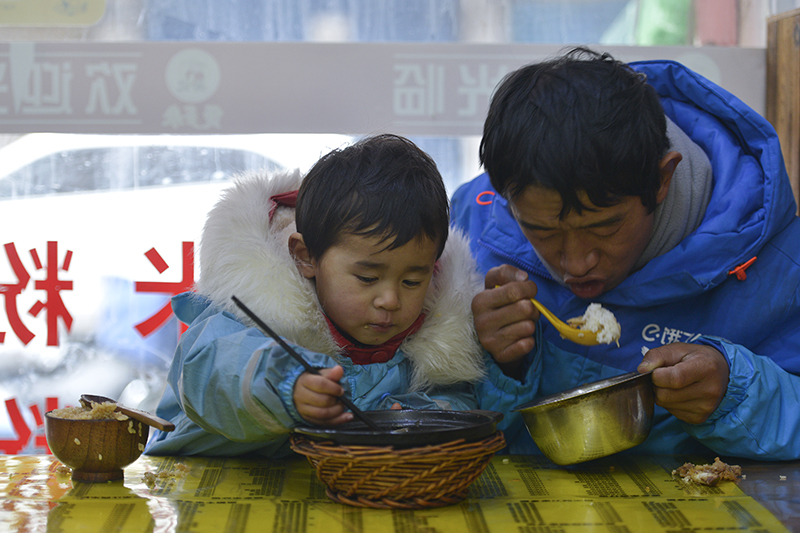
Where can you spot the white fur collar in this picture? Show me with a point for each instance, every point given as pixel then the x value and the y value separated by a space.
pixel 243 254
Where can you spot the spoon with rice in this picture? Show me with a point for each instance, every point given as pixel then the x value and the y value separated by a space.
pixel 597 326
pixel 91 400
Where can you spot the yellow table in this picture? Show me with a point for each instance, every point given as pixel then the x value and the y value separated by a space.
pixel 515 493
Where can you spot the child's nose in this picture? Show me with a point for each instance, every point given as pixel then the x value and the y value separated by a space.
pixel 388 299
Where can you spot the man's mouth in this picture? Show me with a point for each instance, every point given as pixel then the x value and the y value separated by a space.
pixel 587 289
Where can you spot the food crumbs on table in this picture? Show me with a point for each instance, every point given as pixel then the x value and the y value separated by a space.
pixel 149 479
pixel 77 441
pixel 63 470
pixel 166 477
pixel 783 478
pixel 99 456
pixel 505 461
pixel 707 474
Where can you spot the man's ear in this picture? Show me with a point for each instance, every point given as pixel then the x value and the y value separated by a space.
pixel 302 257
pixel 666 168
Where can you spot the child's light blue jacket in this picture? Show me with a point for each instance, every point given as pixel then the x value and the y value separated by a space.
pixel 230 387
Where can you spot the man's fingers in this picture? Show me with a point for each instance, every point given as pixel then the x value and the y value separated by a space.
pixel 667 355
pixel 502 275
pixel 690 379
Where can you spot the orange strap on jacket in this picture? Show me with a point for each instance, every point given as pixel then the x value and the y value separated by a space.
pixel 739 271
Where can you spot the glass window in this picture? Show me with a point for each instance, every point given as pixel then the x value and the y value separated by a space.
pixel 110 222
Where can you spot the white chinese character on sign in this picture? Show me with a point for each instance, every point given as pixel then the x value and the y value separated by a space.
pixel 102 74
pixel 418 90
pixel 212 114
pixel 477 88
pixel 47 90
pixel 190 116
pixel 172 117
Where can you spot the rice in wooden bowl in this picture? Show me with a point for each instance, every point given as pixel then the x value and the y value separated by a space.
pixel 96 442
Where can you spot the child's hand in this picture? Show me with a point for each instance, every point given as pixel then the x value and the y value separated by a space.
pixel 316 397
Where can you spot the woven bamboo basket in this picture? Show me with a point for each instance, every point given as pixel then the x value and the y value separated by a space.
pixel 409 478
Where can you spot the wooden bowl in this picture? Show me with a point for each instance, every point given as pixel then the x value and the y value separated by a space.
pixel 96 450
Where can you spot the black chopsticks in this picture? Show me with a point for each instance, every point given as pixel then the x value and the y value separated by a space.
pixel 346 401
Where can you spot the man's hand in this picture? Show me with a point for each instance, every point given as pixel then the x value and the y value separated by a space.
pixel 316 397
pixel 505 318
pixel 690 379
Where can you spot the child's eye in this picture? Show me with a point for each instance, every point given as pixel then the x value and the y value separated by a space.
pixel 411 283
pixel 366 279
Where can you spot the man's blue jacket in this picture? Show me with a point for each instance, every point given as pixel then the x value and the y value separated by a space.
pixel 688 294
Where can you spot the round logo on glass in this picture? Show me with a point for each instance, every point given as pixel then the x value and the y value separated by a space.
pixel 192 76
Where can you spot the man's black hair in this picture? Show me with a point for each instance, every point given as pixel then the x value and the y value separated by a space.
pixel 383 186
pixel 581 122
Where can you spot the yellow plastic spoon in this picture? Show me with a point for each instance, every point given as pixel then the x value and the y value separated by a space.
pixel 576 335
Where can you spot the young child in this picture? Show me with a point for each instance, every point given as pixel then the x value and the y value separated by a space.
pixel 356 271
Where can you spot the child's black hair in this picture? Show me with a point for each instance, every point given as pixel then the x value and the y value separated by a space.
pixel 382 186
pixel 581 122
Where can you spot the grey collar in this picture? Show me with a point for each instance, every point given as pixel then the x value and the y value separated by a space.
pixel 688 196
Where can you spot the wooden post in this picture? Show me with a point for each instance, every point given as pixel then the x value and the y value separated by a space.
pixel 783 89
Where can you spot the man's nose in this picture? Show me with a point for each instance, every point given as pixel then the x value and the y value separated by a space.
pixel 579 255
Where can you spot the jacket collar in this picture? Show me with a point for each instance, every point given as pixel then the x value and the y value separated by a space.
pixel 363 354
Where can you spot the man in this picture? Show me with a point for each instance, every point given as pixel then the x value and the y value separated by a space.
pixel 656 193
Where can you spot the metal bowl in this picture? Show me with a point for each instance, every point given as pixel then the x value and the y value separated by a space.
pixel 593 420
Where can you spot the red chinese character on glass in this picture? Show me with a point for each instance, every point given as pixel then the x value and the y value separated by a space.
pixel 10 291
pixel 21 428
pixel 149 325
pixel 53 304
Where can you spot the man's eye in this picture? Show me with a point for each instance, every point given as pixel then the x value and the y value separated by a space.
pixel 606 231
pixel 542 236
